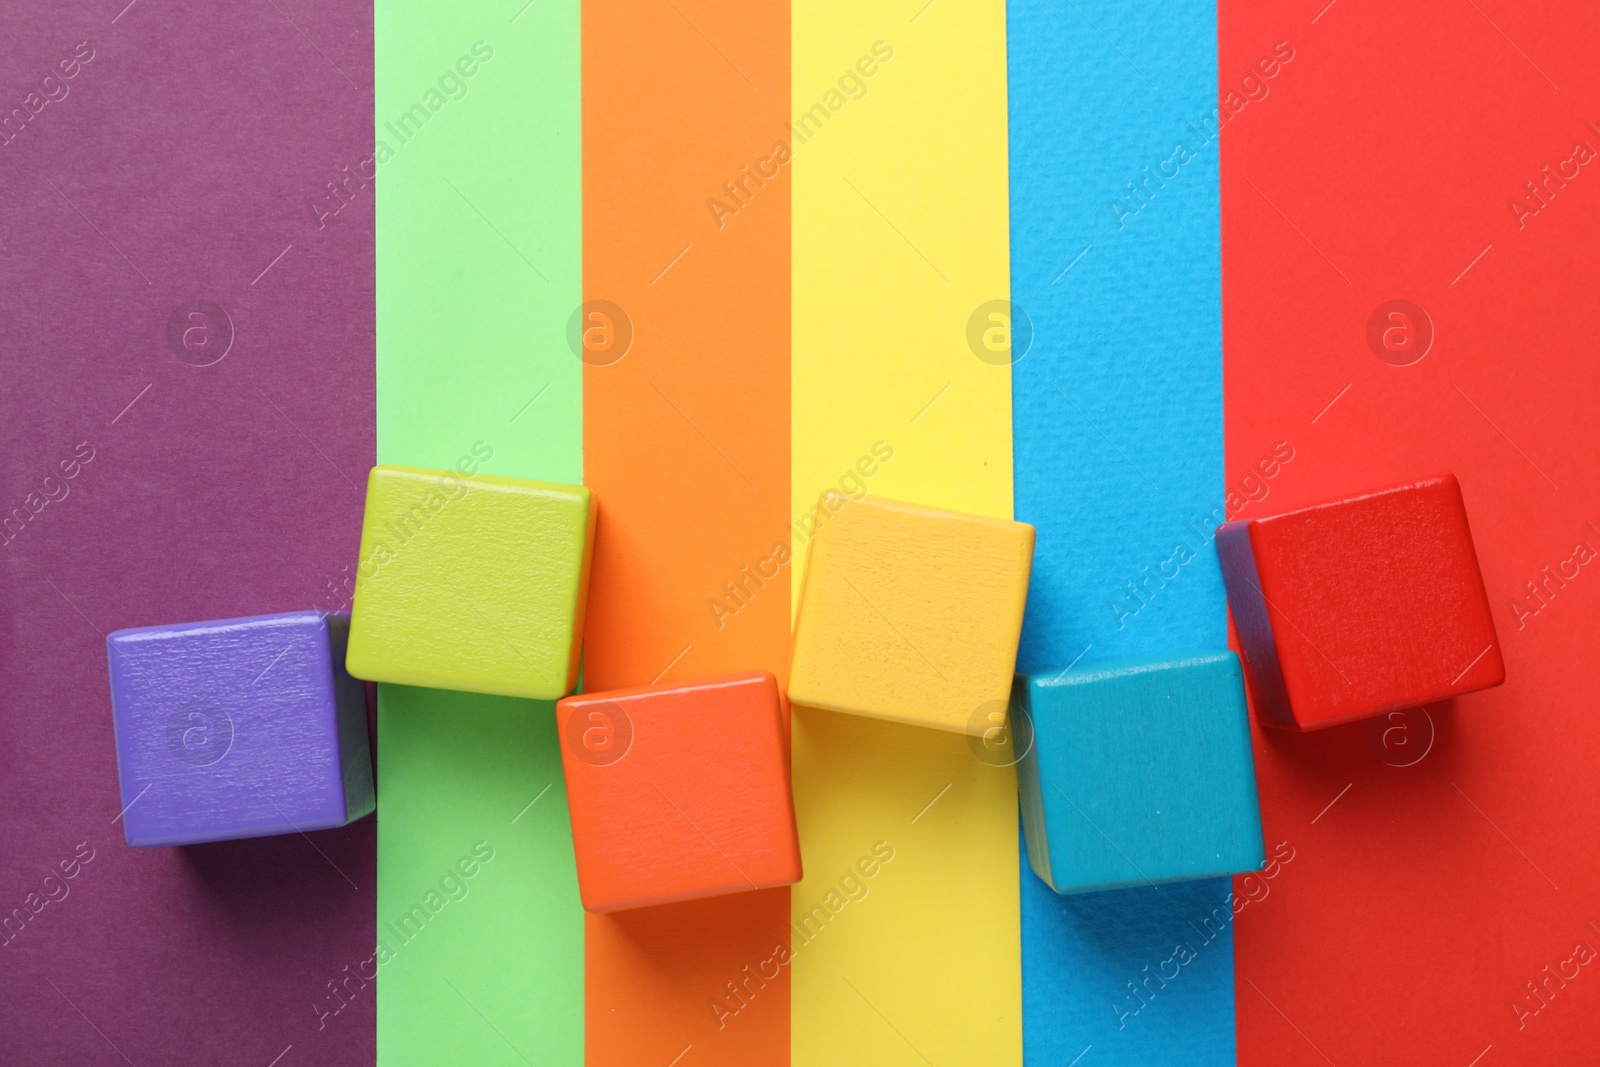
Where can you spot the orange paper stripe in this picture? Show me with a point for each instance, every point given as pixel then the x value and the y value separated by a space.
pixel 686 446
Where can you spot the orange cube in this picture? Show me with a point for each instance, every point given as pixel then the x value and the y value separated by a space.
pixel 679 791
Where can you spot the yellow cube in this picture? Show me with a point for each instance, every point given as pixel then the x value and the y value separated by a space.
pixel 472 582
pixel 911 613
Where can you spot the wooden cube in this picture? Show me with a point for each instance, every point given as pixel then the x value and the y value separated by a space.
pixel 910 613
pixel 475 583
pixel 679 791
pixel 1361 606
pixel 238 728
pixel 1140 773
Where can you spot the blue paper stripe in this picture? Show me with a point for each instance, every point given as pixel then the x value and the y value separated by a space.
pixel 1116 259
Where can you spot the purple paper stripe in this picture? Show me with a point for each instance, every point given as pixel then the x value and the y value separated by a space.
pixel 186 419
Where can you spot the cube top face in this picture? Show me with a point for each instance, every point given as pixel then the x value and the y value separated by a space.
pixel 1140 772
pixel 237 728
pixel 473 583
pixel 1362 606
pixel 679 792
pixel 912 614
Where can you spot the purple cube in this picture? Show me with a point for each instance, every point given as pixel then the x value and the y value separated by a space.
pixel 238 728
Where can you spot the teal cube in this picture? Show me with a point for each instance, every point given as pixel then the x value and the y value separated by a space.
pixel 1139 772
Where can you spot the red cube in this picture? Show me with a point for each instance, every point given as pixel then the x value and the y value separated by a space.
pixel 1361 606
pixel 679 791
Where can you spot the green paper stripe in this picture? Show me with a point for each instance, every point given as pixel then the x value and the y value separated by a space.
pixel 479 261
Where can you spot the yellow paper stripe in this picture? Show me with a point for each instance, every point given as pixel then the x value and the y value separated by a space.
pixel 899 236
